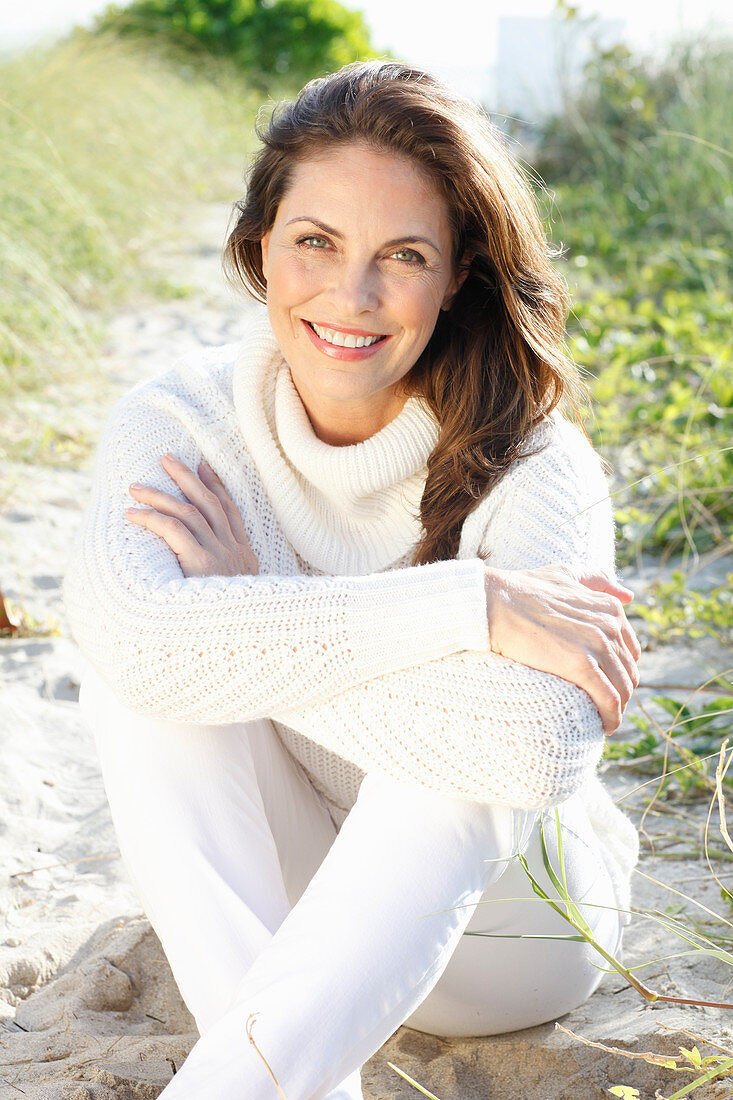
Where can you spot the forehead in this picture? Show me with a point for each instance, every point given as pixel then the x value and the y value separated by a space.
pixel 357 180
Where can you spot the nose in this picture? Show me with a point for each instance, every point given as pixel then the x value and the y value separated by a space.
pixel 355 289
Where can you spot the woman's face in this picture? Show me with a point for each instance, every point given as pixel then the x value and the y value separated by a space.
pixel 360 249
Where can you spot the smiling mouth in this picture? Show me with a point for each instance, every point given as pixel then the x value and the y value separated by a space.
pixel 345 339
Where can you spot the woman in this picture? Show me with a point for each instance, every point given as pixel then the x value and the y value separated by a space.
pixel 358 627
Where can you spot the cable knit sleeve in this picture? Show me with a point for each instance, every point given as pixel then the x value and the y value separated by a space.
pixel 477 725
pixel 216 649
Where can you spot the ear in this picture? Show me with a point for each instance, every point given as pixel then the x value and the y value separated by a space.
pixel 457 281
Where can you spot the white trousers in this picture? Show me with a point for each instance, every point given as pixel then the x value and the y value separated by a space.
pixel 333 939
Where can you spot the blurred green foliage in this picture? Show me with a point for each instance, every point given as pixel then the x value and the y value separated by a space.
pixel 637 172
pixel 291 40
pixel 672 610
pixel 658 361
pixel 637 194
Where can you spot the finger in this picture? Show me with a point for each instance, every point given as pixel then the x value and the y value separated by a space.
pixel 182 542
pixel 214 483
pixel 617 666
pixel 608 647
pixel 199 495
pixel 622 638
pixel 182 510
pixel 629 663
pixel 247 556
pixel 604 695
pixel 630 640
pixel 600 582
pixel 621 634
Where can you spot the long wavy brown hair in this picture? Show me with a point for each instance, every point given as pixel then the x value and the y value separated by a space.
pixel 496 363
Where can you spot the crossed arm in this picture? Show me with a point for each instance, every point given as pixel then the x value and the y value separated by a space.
pixel 459 718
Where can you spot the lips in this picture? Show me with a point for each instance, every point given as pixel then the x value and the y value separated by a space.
pixel 341 351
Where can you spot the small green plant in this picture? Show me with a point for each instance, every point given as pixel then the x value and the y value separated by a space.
pixel 694 736
pixel 714 1067
pixel 674 609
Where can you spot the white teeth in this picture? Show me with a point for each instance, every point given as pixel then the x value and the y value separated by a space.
pixel 344 340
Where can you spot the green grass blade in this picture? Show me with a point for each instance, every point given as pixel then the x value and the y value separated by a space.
pixel 717 1071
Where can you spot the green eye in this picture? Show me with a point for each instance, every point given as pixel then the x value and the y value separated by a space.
pixel 409 252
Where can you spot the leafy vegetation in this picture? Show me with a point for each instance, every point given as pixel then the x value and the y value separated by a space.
pixel 291 39
pixel 694 736
pixel 647 142
pixel 673 609
pixel 637 171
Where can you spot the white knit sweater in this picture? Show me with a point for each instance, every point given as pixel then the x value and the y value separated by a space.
pixel 361 660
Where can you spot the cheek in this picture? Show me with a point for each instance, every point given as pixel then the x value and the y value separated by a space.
pixel 292 281
pixel 418 308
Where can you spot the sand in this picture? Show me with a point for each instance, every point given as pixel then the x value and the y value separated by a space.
pixel 88 1006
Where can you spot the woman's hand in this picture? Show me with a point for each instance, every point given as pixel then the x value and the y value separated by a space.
pixel 204 531
pixel 568 623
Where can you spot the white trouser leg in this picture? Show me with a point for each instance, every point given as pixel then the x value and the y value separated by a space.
pixel 220 833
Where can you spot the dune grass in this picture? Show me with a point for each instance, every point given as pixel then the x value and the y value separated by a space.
pixel 104 145
pixel 646 149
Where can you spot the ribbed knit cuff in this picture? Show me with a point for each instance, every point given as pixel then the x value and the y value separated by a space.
pixel 426 612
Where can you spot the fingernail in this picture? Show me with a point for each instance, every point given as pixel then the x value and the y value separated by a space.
pixel 136 485
pixel 171 457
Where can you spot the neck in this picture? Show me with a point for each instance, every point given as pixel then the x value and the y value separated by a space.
pixel 347 423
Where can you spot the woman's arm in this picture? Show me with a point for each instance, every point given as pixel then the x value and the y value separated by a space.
pixel 222 649
pixel 477 725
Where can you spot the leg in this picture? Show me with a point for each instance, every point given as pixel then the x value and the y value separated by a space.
pixel 495 985
pixel 364 945
pixel 220 833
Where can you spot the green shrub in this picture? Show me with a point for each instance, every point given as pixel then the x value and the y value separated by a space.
pixel 272 40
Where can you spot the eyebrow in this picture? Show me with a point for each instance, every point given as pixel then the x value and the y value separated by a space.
pixel 388 244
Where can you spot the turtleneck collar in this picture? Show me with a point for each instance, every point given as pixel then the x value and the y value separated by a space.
pixel 345 510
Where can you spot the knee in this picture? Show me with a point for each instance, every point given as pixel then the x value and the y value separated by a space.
pixel 515 993
pixel 490 834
